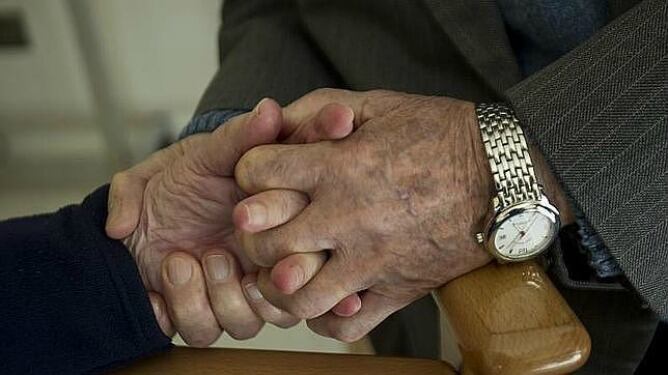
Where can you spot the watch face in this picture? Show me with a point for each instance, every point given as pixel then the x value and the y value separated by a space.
pixel 524 234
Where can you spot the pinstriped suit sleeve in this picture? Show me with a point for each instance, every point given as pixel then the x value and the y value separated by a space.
pixel 600 117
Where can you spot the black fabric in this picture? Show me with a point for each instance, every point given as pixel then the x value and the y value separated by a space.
pixel 402 335
pixel 72 299
pixel 655 356
pixel 620 329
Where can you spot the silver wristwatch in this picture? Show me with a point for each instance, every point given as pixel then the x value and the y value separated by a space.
pixel 522 223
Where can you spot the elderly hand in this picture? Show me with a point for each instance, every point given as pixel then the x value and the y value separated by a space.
pixel 175 210
pixel 396 204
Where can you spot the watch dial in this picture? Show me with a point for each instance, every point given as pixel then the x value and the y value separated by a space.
pixel 524 234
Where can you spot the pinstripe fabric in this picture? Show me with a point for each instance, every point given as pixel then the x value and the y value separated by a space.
pixel 600 116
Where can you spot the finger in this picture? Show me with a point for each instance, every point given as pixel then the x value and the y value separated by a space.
pixel 365 105
pixel 185 293
pixel 375 308
pixel 320 295
pixel 349 306
pixel 161 314
pixel 278 166
pixel 333 121
pixel 293 272
pixel 262 307
pixel 229 142
pixel 306 233
pixel 223 280
pixel 268 209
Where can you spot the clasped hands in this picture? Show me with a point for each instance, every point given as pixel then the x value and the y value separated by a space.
pixel 340 209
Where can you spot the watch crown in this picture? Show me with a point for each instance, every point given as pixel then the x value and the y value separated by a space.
pixel 480 237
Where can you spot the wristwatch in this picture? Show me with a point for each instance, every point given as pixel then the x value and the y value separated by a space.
pixel 522 222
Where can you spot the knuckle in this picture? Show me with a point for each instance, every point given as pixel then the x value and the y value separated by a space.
pixel 254 165
pixel 379 93
pixel 286 321
pixel 250 247
pixel 120 179
pixel 282 206
pixel 270 247
pixel 324 91
pixel 200 339
pixel 290 203
pixel 242 335
pixel 229 308
pixel 264 255
pixel 347 333
pixel 244 331
pixel 302 310
pixel 244 169
pixel 186 310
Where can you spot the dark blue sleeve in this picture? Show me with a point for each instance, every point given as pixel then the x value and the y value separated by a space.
pixel 71 299
pixel 209 121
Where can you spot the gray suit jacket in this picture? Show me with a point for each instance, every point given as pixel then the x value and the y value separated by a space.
pixel 599 114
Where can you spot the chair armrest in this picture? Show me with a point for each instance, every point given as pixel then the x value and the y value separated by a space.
pixel 510 319
pixel 259 362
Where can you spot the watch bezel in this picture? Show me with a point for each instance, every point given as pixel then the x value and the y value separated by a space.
pixel 543 206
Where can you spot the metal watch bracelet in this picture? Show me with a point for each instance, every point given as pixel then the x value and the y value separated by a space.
pixel 508 154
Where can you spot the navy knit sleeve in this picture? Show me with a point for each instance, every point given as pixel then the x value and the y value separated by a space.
pixel 72 300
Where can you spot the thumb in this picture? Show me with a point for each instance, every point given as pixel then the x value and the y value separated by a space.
pixel 230 141
pixel 124 204
pixel 161 315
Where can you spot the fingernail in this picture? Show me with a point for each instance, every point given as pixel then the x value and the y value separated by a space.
pixel 256 110
pixel 253 292
pixel 157 309
pixel 217 267
pixel 257 213
pixel 111 212
pixel 179 271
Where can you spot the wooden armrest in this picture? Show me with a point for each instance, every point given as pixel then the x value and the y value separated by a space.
pixel 510 319
pixel 259 362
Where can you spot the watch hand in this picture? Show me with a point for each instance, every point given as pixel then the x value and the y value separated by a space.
pixel 515 226
pixel 520 235
pixel 521 232
pixel 535 217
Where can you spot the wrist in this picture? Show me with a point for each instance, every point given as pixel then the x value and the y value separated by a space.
pixel 523 218
pixel 551 187
pixel 543 173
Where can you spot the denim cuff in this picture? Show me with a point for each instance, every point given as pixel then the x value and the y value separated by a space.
pixel 209 121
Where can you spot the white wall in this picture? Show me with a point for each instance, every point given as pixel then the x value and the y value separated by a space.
pixel 160 55
pixel 46 77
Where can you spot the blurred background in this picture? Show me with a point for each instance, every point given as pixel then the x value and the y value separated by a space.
pixel 89 87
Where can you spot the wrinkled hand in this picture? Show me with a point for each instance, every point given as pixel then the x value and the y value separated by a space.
pixel 175 210
pixel 396 204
